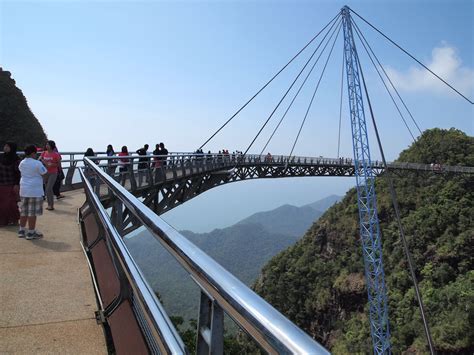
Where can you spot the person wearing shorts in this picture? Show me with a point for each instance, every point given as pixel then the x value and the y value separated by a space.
pixel 31 193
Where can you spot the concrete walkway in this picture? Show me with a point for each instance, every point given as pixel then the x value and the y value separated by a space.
pixel 47 301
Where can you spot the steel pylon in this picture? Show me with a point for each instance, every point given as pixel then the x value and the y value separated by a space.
pixel 366 198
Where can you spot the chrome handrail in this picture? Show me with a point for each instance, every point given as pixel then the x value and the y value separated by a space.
pixel 166 335
pixel 269 328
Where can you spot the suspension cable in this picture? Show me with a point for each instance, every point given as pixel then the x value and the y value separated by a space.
pixel 412 57
pixel 399 223
pixel 385 85
pixel 386 74
pixel 289 89
pixel 340 103
pixel 296 95
pixel 315 90
pixel 264 86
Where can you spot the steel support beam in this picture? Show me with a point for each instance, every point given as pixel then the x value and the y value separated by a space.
pixel 366 198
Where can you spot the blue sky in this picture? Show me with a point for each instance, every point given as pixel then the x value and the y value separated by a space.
pixel 129 72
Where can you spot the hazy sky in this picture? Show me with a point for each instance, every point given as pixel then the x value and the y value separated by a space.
pixel 135 72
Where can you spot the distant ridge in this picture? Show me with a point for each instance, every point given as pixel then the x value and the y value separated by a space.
pixel 325 203
pixel 18 124
pixel 242 249
pixel 290 219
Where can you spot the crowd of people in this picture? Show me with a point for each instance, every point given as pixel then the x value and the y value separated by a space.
pixel 26 183
pixel 124 164
pixel 29 181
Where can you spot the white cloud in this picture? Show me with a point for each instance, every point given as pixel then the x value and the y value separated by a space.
pixel 444 62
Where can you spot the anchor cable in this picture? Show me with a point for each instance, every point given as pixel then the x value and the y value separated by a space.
pixel 393 195
pixel 314 94
pixel 411 56
pixel 385 85
pixel 296 95
pixel 289 89
pixel 263 87
pixel 360 34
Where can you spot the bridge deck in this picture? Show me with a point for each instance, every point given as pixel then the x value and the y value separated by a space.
pixel 47 302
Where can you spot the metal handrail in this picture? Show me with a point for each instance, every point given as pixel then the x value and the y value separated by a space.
pixel 166 335
pixel 260 320
pixel 255 158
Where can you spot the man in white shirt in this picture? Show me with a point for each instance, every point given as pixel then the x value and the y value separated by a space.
pixel 31 193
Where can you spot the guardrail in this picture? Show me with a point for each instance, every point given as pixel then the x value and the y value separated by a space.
pixel 181 160
pixel 157 329
pixel 220 290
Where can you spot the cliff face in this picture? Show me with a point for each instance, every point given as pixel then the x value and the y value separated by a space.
pixel 18 124
pixel 319 282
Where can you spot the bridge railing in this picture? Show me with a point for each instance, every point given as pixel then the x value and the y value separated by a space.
pixel 73 160
pixel 114 166
pixel 220 290
pixel 184 163
pixel 157 329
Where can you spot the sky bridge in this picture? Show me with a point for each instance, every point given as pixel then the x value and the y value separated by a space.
pixel 174 180
pixel 165 182
pixel 122 194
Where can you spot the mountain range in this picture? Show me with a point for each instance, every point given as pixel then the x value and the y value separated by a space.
pixel 242 249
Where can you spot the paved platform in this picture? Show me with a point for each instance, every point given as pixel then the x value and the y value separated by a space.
pixel 47 301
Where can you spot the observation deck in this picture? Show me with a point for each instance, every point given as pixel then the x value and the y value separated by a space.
pixel 47 301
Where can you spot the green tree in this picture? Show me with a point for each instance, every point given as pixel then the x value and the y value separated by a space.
pixel 318 283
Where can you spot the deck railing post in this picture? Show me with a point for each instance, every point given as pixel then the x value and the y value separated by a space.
pixel 117 216
pixel 210 339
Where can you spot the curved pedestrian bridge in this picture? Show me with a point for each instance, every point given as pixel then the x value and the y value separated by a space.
pixel 47 301
pixel 164 182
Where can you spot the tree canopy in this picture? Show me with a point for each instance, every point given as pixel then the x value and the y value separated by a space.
pixel 319 282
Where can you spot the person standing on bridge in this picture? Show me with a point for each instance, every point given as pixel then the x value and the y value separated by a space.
pixel 156 160
pixel 142 165
pixel 59 179
pixel 110 162
pixel 31 193
pixel 163 153
pixel 52 160
pixel 88 171
pixel 9 185
pixel 123 164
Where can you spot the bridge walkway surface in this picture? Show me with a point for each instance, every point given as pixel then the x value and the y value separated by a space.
pixel 47 301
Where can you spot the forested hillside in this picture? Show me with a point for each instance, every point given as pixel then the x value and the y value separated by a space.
pixel 18 124
pixel 242 249
pixel 319 282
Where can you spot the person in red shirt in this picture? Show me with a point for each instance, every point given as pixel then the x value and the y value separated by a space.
pixel 51 160
pixel 123 164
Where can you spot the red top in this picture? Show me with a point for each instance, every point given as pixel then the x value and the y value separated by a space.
pixel 51 161
pixel 123 161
